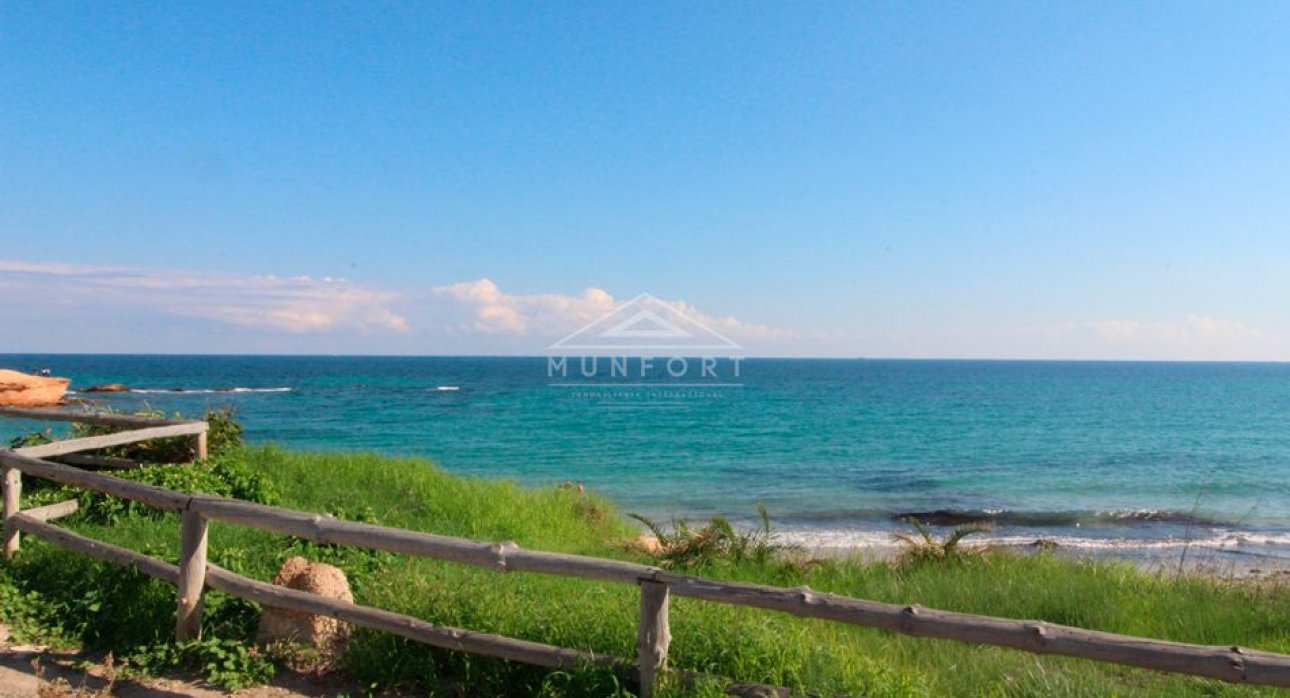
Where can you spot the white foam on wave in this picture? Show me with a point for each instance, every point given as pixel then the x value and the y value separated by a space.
pixel 1222 540
pixel 836 539
pixel 447 388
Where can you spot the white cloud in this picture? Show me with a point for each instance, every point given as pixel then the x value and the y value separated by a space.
pixel 97 307
pixel 295 305
pixel 489 310
pixel 71 307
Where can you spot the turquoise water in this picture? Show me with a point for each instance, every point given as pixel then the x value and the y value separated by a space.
pixel 1146 455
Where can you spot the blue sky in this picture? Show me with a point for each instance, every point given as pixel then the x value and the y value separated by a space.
pixel 1034 180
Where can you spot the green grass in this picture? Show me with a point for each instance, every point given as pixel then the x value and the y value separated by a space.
pixel 104 606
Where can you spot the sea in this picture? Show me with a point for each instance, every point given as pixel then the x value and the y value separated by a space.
pixel 1158 459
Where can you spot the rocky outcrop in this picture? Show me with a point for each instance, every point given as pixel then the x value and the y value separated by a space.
pixel 18 389
pixel 296 626
pixel 107 388
pixel 944 517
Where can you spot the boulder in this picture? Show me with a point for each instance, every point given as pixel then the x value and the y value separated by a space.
pixel 296 626
pixel 107 388
pixel 18 389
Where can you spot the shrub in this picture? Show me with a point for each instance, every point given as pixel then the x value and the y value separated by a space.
pixel 716 541
pixel 227 477
pixel 223 437
pixel 35 438
pixel 229 664
pixel 922 546
pixel 224 474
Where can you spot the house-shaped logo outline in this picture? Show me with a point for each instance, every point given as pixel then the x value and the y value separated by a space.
pixel 641 319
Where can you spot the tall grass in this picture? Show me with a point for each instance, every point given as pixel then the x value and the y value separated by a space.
pixel 108 607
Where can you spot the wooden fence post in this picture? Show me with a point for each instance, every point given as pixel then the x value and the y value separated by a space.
pixel 12 504
pixel 192 576
pixel 653 635
pixel 201 445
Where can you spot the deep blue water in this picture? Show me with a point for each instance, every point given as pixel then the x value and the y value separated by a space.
pixel 1095 453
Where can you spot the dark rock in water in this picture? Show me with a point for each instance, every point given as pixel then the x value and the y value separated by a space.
pixel 107 388
pixel 944 517
pixel 1045 544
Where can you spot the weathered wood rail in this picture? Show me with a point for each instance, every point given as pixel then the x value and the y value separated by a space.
pixel 52 414
pixel 139 429
pixel 194 574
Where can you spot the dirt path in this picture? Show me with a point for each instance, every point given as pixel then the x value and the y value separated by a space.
pixel 64 675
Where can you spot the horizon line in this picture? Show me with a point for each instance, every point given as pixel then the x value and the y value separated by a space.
pixel 741 358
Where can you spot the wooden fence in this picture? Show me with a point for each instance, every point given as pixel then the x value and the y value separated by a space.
pixel 194 574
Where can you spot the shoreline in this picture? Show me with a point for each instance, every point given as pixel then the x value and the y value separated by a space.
pixel 1149 543
pixel 1163 556
pixel 1213 563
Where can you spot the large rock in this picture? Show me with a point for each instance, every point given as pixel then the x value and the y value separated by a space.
pixel 107 388
pixel 945 517
pixel 319 631
pixel 18 389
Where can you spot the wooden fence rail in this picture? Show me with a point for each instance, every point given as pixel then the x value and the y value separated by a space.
pixel 194 574
pixel 110 419
pixel 92 443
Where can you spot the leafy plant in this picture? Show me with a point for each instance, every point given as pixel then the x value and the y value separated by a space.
pixel 922 545
pixel 225 433
pixel 718 540
pixel 229 664
pixel 224 477
pixel 95 603
pixel 35 438
pixel 29 615
pixel 223 436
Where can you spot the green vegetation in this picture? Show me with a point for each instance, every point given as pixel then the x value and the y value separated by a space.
pixel 921 545
pixel 51 595
pixel 231 664
pixel 716 542
pixel 223 436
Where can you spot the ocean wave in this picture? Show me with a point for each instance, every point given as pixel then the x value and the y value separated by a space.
pixel 447 388
pixel 1069 518
pixel 1232 541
